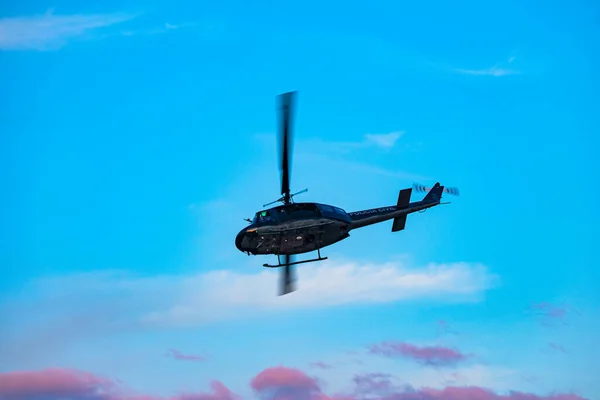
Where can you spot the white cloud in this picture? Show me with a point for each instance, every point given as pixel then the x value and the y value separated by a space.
pixel 49 31
pixel 341 163
pixel 227 294
pixel 493 71
pixel 54 313
pixel 339 154
pixel 386 140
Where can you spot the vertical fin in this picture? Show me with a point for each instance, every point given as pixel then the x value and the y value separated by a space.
pixel 435 194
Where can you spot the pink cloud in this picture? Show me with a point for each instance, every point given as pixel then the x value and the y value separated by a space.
pixel 218 392
pixel 282 383
pixel 64 384
pixel 552 314
pixel 276 383
pixel 373 384
pixel 477 393
pixel 429 355
pixel 55 383
pixel 177 355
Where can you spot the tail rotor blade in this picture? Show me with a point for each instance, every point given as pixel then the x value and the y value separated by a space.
pixel 424 189
pixel 420 188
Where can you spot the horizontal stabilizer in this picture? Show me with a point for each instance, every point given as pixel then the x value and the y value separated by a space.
pixel 399 223
pixel 403 200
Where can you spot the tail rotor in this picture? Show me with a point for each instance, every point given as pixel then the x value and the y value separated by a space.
pixel 424 189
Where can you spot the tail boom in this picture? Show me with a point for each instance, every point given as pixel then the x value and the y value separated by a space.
pixel 398 212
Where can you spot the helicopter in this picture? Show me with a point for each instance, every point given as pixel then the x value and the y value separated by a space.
pixel 295 228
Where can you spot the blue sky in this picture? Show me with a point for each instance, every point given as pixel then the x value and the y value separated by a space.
pixel 137 135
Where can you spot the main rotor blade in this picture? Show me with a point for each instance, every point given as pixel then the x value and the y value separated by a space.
pixel 286 104
pixel 287 278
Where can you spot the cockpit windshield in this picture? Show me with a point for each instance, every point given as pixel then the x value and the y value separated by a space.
pixel 262 216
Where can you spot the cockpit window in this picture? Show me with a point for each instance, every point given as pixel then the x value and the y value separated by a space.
pixel 324 207
pixel 262 216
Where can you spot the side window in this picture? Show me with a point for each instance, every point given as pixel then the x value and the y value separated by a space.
pixel 323 207
pixel 339 210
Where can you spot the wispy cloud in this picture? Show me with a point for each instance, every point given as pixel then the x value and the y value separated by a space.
pixel 177 355
pixel 493 71
pixel 356 166
pixel 427 355
pixel 161 29
pixel 380 140
pixel 270 384
pixel 342 153
pixel 50 31
pixel 497 70
pixel 386 140
pixel 550 314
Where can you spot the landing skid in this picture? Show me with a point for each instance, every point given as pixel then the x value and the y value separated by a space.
pixel 295 262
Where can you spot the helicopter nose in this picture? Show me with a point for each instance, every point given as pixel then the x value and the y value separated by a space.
pixel 239 239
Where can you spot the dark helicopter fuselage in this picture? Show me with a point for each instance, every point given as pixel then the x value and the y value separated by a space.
pixel 294 229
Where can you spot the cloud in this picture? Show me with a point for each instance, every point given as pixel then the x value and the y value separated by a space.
pixel 340 154
pixel 382 140
pixel 328 284
pixel 183 298
pixel 551 314
pixel 177 355
pixel 427 355
pixel 69 308
pixel 55 383
pixel 64 384
pixel 49 31
pixel 285 383
pixel 166 27
pixel 275 383
pixel 387 140
pixel 493 71
pixel 374 383
pixel 361 167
